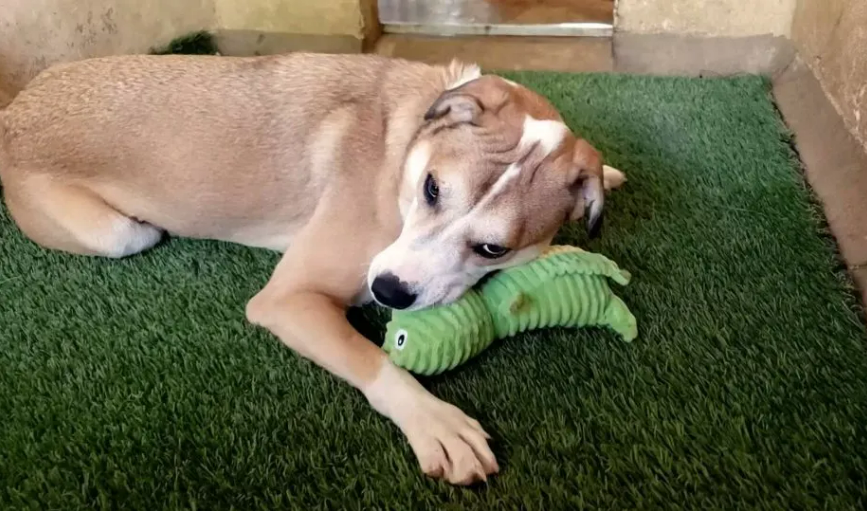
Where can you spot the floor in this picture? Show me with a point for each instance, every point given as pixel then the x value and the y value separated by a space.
pixel 586 54
pixel 160 393
pixel 138 383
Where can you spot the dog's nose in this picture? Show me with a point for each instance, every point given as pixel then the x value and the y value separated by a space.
pixel 391 292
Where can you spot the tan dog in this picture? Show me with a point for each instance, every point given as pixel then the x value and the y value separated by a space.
pixel 378 177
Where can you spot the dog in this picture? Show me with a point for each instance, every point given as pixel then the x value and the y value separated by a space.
pixel 378 179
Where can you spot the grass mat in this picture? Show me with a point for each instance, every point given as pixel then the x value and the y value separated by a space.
pixel 137 383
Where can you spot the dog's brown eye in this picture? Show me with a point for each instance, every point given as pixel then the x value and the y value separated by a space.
pixel 431 190
pixel 489 251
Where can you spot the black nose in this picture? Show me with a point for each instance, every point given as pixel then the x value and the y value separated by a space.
pixel 391 292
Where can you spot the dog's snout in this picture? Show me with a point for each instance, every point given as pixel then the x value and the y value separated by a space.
pixel 392 292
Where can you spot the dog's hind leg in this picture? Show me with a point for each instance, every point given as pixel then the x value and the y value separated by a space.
pixel 67 217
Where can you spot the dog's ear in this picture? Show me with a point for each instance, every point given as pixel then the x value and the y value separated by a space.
pixel 587 186
pixel 469 102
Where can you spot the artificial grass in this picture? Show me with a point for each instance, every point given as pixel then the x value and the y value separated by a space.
pixel 195 43
pixel 138 384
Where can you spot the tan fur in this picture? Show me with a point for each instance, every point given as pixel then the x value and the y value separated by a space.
pixel 321 157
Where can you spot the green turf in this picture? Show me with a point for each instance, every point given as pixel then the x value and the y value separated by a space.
pixel 196 43
pixel 137 383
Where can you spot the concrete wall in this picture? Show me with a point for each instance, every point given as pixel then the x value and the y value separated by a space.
pixel 323 17
pixel 37 33
pixel 259 27
pixel 831 36
pixel 730 36
pixel 726 18
pixel 702 37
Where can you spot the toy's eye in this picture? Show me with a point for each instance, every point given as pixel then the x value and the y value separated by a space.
pixel 400 339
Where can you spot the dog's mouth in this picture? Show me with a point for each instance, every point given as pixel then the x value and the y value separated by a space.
pixel 446 298
pixel 440 292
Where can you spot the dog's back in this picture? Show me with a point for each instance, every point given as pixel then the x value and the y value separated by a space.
pixel 211 147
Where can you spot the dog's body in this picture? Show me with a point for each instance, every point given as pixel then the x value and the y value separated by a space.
pixel 377 177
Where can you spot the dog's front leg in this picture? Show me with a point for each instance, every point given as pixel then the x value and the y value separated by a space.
pixel 448 444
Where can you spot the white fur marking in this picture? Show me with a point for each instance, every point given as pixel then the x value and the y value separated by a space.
pixel 467 74
pixel 416 162
pixel 612 178
pixel 512 172
pixel 392 390
pixel 125 237
pixel 325 145
pixel 549 134
pixel 445 440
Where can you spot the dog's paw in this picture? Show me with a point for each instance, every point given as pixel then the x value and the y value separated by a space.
pixel 449 444
pixel 612 178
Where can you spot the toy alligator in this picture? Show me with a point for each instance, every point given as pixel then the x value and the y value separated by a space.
pixel 565 287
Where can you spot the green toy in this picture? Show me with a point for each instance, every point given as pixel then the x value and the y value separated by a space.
pixel 566 287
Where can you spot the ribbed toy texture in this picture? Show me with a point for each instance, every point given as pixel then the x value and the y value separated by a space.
pixel 565 287
pixel 435 340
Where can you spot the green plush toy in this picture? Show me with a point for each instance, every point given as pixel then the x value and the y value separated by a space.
pixel 566 287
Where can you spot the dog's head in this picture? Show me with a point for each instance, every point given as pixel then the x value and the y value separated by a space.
pixel 489 178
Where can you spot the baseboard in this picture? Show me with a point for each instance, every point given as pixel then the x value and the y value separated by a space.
pixel 687 55
pixel 834 162
pixel 578 29
pixel 254 42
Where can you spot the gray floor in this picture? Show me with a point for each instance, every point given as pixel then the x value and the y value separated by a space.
pixel 498 17
pixel 441 11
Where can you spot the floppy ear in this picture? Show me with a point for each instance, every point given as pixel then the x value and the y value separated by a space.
pixel 587 186
pixel 469 102
pixel 458 107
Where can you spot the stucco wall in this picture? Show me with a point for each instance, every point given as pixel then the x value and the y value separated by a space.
pixel 726 18
pixel 275 26
pixel 831 36
pixel 37 33
pixel 321 17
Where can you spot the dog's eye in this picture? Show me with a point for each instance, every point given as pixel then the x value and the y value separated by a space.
pixel 431 190
pixel 489 251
